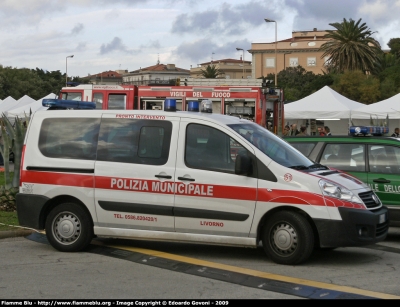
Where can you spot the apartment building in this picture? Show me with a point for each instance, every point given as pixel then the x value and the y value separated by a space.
pixel 301 49
pixel 162 74
pixel 231 69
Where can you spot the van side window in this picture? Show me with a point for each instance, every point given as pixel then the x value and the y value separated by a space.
pixel 384 159
pixel 69 138
pixel 346 157
pixel 134 141
pixel 210 149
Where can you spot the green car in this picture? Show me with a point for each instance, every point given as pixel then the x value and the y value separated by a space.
pixel 372 159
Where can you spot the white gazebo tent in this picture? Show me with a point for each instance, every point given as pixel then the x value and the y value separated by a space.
pixel 23 101
pixel 324 105
pixel 379 112
pixel 31 107
pixel 380 109
pixel 7 103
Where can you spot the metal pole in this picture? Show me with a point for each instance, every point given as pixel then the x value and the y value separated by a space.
pixel 66 69
pixel 243 63
pixel 276 55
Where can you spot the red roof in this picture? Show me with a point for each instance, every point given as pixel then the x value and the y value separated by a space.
pixel 106 74
pixel 160 67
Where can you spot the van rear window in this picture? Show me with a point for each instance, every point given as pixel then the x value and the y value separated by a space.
pixel 69 138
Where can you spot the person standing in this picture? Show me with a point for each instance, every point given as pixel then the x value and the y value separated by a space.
pixel 396 133
pixel 286 131
pixel 321 131
pixel 294 131
pixel 327 131
pixel 303 131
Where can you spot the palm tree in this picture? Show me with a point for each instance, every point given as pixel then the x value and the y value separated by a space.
pixel 351 47
pixel 386 60
pixel 211 72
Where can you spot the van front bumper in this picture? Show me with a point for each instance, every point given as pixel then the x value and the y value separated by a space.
pixel 357 228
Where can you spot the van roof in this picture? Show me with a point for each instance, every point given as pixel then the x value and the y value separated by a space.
pixel 218 118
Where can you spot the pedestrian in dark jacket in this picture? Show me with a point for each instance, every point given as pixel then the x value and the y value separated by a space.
pixel 327 131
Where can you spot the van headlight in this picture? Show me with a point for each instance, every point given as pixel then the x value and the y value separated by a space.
pixel 334 190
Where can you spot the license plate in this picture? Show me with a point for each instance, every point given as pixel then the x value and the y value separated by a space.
pixel 382 218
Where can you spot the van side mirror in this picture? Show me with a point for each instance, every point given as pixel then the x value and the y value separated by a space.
pixel 243 165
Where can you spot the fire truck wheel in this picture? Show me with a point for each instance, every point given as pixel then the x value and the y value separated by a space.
pixel 288 238
pixel 69 228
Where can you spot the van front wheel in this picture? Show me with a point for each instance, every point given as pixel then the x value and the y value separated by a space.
pixel 288 238
pixel 69 228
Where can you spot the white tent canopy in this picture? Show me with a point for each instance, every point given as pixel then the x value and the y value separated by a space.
pixel 25 100
pixel 324 104
pixel 389 107
pixel 31 107
pixel 7 103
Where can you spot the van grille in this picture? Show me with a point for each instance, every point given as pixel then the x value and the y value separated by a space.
pixel 367 199
pixel 381 229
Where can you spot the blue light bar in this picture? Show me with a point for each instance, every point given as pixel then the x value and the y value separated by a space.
pixel 206 106
pixel 193 106
pixel 68 104
pixel 368 130
pixel 170 105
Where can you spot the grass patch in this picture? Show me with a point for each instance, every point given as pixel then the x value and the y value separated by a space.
pixel 8 218
pixel 2 177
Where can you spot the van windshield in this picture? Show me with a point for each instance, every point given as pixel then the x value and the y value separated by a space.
pixel 273 146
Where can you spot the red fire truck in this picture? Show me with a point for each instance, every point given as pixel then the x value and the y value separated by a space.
pixel 259 104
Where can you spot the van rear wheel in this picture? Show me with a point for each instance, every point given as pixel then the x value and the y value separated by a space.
pixel 69 228
pixel 288 238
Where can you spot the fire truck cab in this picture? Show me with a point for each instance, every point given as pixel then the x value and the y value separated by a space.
pixel 106 97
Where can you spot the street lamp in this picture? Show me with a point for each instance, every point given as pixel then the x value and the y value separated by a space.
pixel 284 59
pixel 66 69
pixel 242 60
pixel 276 42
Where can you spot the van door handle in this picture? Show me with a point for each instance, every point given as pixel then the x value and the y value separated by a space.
pixel 163 176
pixel 186 179
pixel 381 180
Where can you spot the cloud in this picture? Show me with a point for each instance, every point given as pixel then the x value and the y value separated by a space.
pixel 381 11
pixel 227 19
pixel 81 46
pixel 152 44
pixel 115 45
pixel 203 49
pixel 379 15
pixel 319 14
pixel 77 29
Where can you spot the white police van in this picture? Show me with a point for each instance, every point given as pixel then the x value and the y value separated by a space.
pixel 188 176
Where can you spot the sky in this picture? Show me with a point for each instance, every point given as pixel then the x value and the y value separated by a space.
pixel 129 34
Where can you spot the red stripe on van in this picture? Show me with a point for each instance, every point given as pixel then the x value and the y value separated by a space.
pixel 168 187
pixel 200 190
pixel 67 179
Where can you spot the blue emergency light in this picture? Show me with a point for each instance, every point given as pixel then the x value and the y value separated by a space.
pixel 368 130
pixel 206 106
pixel 170 105
pixel 60 104
pixel 193 106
